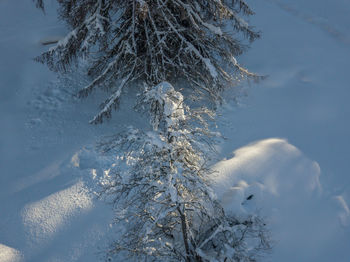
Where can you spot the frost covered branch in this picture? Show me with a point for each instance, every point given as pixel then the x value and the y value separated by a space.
pixel 162 198
pixel 154 41
pixel 158 183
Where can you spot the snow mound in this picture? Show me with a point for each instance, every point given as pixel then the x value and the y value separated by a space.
pixel 275 179
pixel 267 171
pixel 8 254
pixel 44 218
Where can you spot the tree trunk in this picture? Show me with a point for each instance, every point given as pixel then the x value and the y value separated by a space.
pixel 184 234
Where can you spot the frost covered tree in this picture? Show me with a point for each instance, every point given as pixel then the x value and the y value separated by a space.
pixel 132 41
pixel 159 184
pixel 163 203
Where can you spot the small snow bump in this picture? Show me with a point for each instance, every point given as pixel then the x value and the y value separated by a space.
pixel 8 254
pixel 44 218
pixel 344 214
pixel 75 160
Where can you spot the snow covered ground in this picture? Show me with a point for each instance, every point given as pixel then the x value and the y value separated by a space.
pixel 305 51
pixel 287 143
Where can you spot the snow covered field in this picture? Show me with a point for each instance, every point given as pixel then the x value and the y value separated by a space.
pixel 287 142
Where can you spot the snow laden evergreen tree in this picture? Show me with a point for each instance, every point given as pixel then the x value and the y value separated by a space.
pixel 159 185
pixel 131 41
pixel 167 210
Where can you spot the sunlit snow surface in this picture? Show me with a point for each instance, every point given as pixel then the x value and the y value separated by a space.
pixel 287 143
pixel 283 185
pixel 8 254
